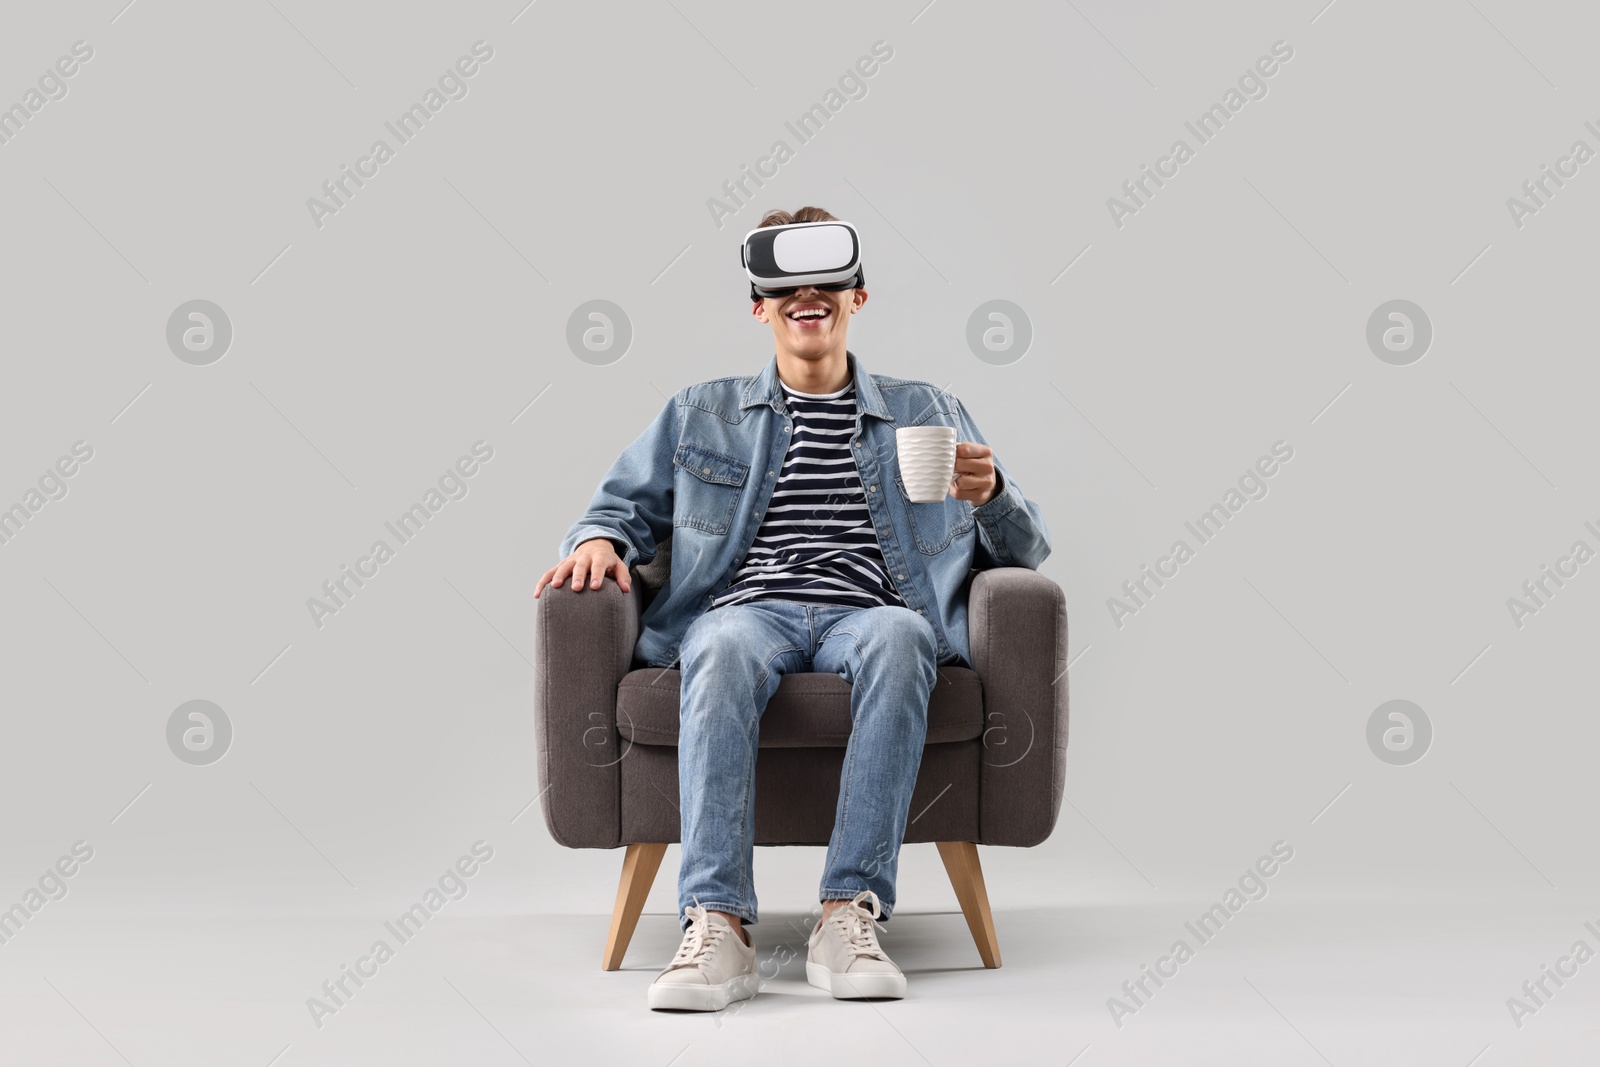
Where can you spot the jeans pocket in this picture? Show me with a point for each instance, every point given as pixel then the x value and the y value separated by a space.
pixel 707 485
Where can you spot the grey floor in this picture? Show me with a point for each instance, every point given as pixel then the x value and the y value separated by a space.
pixel 1305 975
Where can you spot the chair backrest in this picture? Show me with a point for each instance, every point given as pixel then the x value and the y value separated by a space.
pixel 653 575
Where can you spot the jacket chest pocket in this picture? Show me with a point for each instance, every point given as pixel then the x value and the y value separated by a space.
pixel 935 526
pixel 707 485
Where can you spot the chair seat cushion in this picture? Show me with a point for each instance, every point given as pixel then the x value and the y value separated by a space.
pixel 810 710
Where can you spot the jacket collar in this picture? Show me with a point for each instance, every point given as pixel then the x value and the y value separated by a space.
pixel 765 388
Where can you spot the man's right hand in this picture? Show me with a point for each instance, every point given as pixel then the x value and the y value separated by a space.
pixel 591 561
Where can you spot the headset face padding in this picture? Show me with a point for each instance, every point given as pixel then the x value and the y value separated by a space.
pixel 780 259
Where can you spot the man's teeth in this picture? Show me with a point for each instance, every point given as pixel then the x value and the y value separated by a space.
pixel 809 313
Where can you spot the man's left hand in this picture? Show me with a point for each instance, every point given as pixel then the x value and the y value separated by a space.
pixel 974 478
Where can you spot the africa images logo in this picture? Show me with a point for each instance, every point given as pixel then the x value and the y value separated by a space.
pixel 453 485
pixel 852 85
pixel 1252 486
pixel 1204 129
pixel 410 122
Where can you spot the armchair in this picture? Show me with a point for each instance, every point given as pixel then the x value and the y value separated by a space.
pixel 992 771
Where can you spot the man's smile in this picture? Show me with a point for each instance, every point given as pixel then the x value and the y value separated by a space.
pixel 809 315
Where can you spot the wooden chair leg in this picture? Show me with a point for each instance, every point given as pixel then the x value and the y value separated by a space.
pixel 966 875
pixel 639 867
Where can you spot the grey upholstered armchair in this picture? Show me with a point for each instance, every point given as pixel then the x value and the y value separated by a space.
pixel 992 770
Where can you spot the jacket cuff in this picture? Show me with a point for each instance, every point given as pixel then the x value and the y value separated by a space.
pixel 589 533
pixel 1005 500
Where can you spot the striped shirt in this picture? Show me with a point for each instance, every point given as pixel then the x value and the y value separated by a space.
pixel 816 542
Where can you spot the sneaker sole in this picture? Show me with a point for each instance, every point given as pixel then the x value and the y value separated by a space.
pixel 702 997
pixel 856 986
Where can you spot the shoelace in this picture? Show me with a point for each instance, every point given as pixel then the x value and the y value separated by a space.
pixel 858 924
pixel 700 940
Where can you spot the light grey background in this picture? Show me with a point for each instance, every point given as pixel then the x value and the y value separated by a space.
pixel 368 354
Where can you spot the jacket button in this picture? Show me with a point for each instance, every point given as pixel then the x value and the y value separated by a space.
pixel 872 488
pixel 901 577
pixel 919 611
pixel 705 470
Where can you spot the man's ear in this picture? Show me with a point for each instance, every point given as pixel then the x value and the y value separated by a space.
pixel 756 309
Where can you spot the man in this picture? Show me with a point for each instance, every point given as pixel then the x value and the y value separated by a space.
pixel 795 547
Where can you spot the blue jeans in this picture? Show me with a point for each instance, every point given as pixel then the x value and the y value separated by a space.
pixel 731 662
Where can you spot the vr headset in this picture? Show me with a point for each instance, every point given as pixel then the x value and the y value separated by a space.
pixel 781 259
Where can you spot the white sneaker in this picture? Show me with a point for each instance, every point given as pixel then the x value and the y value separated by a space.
pixel 844 957
pixel 713 966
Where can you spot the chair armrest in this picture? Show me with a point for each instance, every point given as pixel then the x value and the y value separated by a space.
pixel 583 645
pixel 1017 629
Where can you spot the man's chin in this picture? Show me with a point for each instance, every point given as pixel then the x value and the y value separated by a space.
pixel 820 340
pixel 810 348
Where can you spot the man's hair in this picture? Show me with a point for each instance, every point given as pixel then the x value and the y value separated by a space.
pixel 779 217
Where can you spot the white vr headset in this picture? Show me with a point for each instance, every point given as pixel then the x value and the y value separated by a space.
pixel 780 259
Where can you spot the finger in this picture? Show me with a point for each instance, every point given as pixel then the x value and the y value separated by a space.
pixel 580 571
pixel 972 449
pixel 619 571
pixel 544 580
pixel 974 487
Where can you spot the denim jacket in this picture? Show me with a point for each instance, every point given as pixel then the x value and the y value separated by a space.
pixel 704 470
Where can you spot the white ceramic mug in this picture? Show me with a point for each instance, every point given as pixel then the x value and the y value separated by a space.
pixel 927 457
